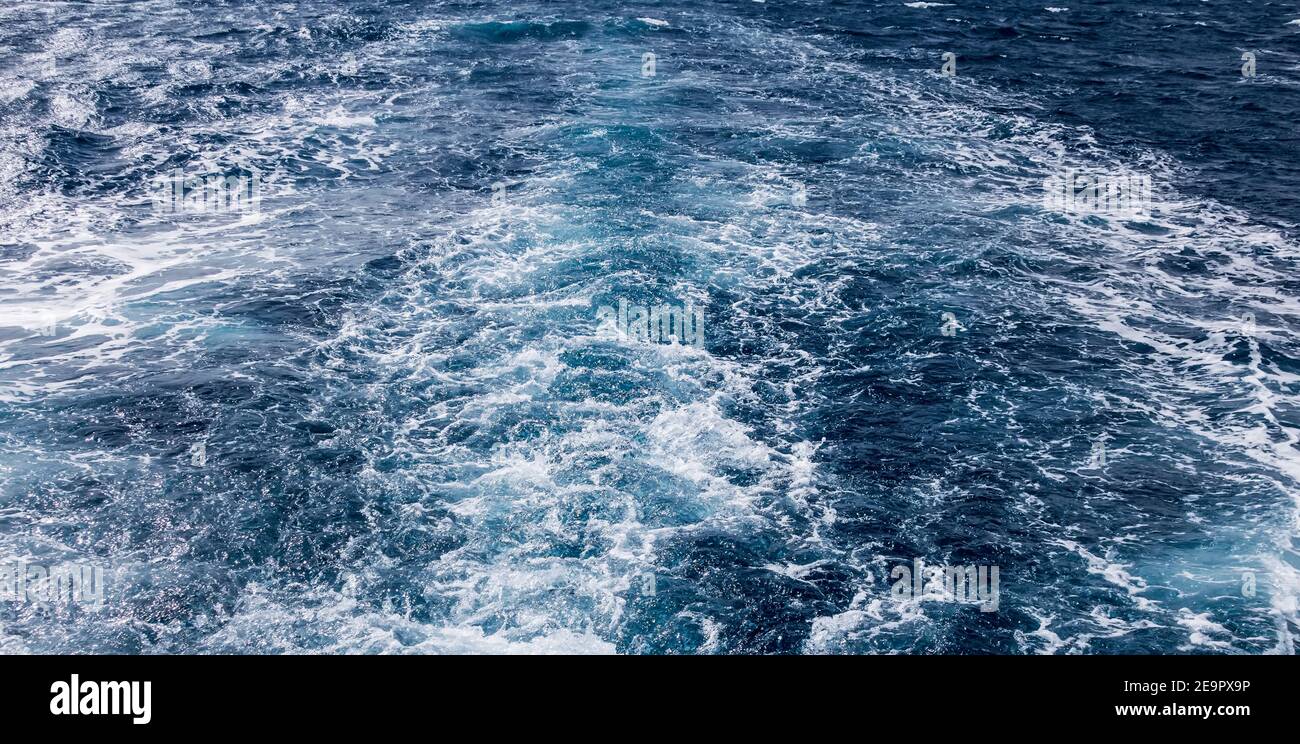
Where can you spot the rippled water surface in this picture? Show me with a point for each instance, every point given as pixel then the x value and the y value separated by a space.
pixel 380 412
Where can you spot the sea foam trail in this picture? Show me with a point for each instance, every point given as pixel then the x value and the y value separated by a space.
pixel 380 413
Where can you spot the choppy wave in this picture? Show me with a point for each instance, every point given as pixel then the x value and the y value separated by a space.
pixel 418 438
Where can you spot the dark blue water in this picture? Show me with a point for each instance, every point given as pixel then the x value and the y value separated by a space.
pixel 383 410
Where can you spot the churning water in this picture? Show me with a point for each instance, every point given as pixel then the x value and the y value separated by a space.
pixel 325 327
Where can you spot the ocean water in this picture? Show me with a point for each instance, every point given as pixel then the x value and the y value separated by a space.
pixel 382 407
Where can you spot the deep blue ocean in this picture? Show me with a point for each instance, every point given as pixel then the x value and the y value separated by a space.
pixel 384 409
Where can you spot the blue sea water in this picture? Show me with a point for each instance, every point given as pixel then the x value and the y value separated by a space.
pixel 379 413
